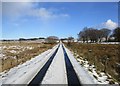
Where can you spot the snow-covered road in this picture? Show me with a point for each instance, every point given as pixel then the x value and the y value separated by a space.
pixel 55 74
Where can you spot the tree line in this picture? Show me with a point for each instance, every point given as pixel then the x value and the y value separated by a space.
pixel 95 35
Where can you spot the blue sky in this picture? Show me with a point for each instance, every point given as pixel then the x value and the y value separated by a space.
pixel 62 19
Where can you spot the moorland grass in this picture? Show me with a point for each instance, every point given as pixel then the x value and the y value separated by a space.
pixel 22 53
pixel 105 57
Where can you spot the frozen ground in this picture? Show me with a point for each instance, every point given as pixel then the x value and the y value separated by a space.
pixel 56 74
pixel 24 73
pixel 13 50
pixel 100 78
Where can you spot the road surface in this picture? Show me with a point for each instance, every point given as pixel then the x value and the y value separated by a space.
pixel 55 66
pixel 57 70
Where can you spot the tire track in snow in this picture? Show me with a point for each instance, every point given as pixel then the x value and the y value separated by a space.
pixel 39 77
pixel 83 75
pixel 56 73
pixel 71 74
pixel 58 70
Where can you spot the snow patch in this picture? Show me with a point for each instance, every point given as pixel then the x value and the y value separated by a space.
pixel 13 51
pixel 24 73
pixel 2 55
pixel 100 78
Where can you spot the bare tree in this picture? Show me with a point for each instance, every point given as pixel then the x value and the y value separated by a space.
pixel 94 35
pixel 116 34
pixel 89 34
pixel 105 33
pixel 81 36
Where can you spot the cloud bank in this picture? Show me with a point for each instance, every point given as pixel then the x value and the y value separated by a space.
pixel 15 10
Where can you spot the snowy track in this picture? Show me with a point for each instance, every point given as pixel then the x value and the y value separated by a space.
pixel 71 74
pixel 39 77
pixel 56 73
pixel 24 73
pixel 55 66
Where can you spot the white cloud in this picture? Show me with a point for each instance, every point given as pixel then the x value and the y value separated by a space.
pixel 42 13
pixel 16 10
pixel 46 14
pixel 110 24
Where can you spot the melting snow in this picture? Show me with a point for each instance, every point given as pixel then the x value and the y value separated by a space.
pixel 13 51
pixel 2 55
pixel 101 78
pixel 24 73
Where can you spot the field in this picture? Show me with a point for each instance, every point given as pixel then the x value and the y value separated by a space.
pixel 17 52
pixel 105 57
